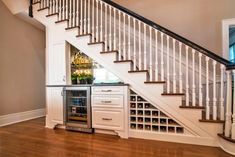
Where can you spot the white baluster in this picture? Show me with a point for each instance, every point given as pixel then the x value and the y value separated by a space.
pixel 134 61
pixel 200 80
pixel 214 92
pixel 78 14
pixel 101 21
pixel 106 27
pixel 124 37
pixel 140 57
pixel 119 36
pixel 174 67
pixel 228 121
pixel 156 55
pixel 180 69
pixel 129 37
pixel 75 14
pixel 85 17
pixel 233 117
pixel 168 63
pixel 88 17
pixel 110 28
pixel 187 77
pixel 114 34
pixel 145 47
pixel 162 57
pixel 222 67
pixel 81 19
pixel 93 21
pixel 193 80
pixel 97 21
pixel 150 55
pixel 70 14
pixel 207 90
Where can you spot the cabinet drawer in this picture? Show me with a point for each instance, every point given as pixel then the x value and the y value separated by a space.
pixel 107 100
pixel 107 119
pixel 107 90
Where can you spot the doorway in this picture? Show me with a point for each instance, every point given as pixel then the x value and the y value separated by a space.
pixel 228 36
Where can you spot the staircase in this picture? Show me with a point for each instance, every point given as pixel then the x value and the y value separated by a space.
pixel 186 81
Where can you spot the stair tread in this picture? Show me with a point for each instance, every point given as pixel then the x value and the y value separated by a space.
pixel 68 28
pixel 43 8
pixel 82 35
pixel 52 14
pixel 113 51
pixel 154 82
pixel 138 71
pixel 62 21
pixel 197 106
pixel 93 43
pixel 192 107
pixel 173 94
pixel 123 61
pixel 211 121
pixel 226 138
pixel 36 2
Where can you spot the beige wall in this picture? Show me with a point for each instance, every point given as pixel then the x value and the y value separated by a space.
pixel 197 20
pixel 22 65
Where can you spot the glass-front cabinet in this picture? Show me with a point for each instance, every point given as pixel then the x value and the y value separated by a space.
pixel 77 108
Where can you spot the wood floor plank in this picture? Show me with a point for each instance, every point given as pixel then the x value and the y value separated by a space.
pixel 32 139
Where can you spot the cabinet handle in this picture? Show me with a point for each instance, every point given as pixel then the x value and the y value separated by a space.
pixel 106 102
pixel 106 90
pixel 107 119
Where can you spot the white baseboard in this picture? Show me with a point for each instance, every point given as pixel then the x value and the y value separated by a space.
pixel 21 116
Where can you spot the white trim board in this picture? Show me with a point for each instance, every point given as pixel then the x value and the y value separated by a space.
pixel 21 116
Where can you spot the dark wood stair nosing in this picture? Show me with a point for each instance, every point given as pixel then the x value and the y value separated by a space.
pixel 226 138
pixel 43 8
pixel 94 43
pixel 123 61
pixel 155 82
pixel 106 52
pixel 49 15
pixel 35 3
pixel 83 35
pixel 65 20
pixel 173 94
pixel 68 28
pixel 192 107
pixel 138 71
pixel 211 121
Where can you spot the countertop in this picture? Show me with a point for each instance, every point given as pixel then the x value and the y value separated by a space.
pixel 90 85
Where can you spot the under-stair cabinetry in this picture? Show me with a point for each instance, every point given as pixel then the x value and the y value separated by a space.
pixel 56 64
pixel 110 109
pixel 54 100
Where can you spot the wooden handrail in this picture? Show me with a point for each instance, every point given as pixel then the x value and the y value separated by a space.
pixel 195 46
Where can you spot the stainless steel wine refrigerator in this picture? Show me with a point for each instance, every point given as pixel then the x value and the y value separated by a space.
pixel 77 112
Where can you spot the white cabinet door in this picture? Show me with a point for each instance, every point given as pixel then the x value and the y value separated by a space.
pixel 55 104
pixel 57 64
pixel 103 118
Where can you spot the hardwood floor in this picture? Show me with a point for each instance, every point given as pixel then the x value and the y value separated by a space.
pixel 31 139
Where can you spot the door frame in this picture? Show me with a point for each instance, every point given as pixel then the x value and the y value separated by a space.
pixel 226 23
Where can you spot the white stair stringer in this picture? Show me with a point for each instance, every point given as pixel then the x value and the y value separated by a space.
pixel 201 133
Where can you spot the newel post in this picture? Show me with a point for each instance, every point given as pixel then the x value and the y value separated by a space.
pixel 233 106
pixel 228 119
pixel 31 8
